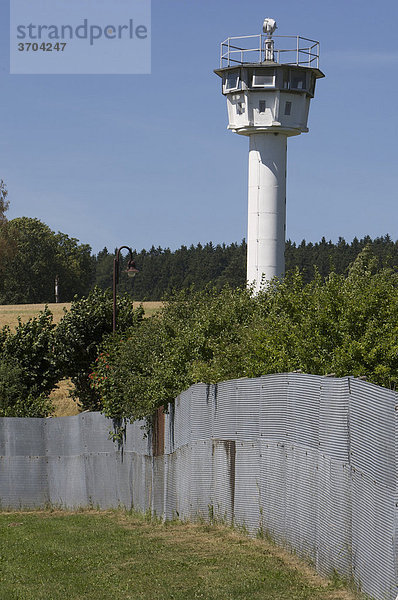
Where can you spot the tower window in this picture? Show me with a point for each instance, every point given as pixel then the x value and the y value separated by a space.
pixel 232 81
pixel 286 79
pixel 240 109
pixel 298 81
pixel 261 106
pixel 288 108
pixel 264 78
pixel 312 85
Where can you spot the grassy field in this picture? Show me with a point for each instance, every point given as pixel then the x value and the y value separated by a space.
pixel 64 405
pixel 9 313
pixel 101 555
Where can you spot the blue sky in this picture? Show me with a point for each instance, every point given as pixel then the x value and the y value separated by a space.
pixel 147 159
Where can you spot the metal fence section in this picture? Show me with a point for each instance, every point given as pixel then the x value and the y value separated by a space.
pixel 310 460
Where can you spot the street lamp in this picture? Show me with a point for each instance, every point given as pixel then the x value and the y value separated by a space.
pixel 131 272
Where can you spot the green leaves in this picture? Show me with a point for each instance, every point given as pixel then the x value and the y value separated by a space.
pixel 37 256
pixel 149 366
pixel 31 346
pixel 17 399
pixel 80 333
pixel 28 367
pixel 342 325
pixel 39 354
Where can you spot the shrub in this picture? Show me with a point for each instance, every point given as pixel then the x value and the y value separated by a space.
pixel 342 325
pixel 80 333
pixel 31 349
pixel 17 399
pixel 148 367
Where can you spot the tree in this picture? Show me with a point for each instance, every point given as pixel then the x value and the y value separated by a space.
pixel 28 367
pixel 76 267
pixel 31 348
pixel 38 256
pixel 104 269
pixel 80 333
pixel 29 275
pixel 149 366
pixel 16 399
pixel 163 271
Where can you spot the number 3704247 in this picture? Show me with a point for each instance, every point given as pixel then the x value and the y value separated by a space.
pixel 43 47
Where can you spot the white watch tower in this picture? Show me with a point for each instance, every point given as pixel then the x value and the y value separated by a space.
pixel 268 93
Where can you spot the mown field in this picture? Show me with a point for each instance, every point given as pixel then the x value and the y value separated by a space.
pixel 64 405
pixel 91 555
pixel 9 313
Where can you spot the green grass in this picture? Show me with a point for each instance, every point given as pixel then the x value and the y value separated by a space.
pixel 51 555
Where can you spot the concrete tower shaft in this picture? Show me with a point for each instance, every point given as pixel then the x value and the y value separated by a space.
pixel 266 208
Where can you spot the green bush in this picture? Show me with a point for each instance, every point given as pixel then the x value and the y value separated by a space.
pixel 80 333
pixel 342 325
pixel 149 366
pixel 31 348
pixel 17 399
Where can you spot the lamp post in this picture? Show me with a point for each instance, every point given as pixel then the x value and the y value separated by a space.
pixel 131 272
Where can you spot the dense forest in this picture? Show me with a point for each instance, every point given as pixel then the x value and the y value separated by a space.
pixel 162 270
pixel 35 255
pixel 32 256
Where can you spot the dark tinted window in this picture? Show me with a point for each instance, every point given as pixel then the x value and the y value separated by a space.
pixel 298 80
pixel 232 80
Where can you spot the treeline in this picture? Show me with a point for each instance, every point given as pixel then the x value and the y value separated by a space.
pixel 163 271
pixel 32 257
pixel 325 256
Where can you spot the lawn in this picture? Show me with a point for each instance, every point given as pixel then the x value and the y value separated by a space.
pixel 93 555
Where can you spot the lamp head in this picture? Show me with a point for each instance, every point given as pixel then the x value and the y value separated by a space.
pixel 132 269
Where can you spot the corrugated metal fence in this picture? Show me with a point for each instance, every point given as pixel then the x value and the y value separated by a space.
pixel 311 460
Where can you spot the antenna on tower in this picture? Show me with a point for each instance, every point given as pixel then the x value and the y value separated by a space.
pixel 269 27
